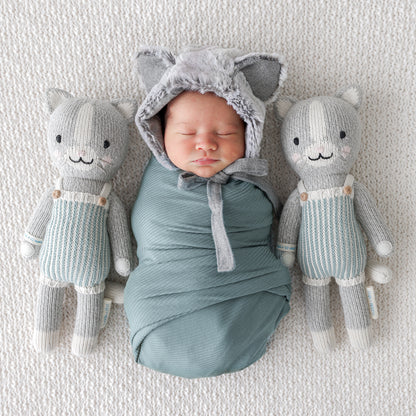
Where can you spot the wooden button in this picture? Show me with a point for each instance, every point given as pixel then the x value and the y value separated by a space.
pixel 102 201
pixel 56 194
pixel 347 190
pixel 303 196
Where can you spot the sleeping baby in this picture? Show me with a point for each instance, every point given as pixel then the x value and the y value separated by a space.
pixel 208 292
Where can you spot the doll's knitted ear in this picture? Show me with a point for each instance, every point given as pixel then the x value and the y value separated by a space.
pixel 264 72
pixel 127 108
pixel 282 106
pixel 352 94
pixel 152 63
pixel 55 97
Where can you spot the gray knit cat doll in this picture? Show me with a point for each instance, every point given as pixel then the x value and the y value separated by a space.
pixel 322 219
pixel 78 219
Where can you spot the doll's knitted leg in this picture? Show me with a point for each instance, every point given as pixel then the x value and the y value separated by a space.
pixel 48 317
pixel 318 315
pixel 357 315
pixel 88 322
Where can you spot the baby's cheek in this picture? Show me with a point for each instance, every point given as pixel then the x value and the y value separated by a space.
pixel 296 157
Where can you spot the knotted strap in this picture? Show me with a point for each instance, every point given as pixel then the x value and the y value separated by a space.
pixel 243 169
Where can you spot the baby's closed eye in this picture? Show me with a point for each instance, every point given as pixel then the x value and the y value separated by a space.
pixel 226 133
pixel 186 133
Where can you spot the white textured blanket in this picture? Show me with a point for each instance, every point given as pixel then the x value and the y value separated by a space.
pixel 88 48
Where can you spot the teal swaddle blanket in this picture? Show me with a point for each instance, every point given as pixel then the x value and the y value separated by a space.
pixel 208 292
pixel 185 317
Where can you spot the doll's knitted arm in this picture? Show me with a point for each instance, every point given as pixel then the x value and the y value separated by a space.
pixel 289 229
pixel 119 235
pixel 372 221
pixel 36 228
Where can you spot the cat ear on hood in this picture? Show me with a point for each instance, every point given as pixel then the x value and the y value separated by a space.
pixel 152 63
pixel 265 73
pixel 55 97
pixel 351 94
pixel 127 108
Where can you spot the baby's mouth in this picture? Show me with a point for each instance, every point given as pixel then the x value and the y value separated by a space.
pixel 80 160
pixel 320 157
pixel 205 161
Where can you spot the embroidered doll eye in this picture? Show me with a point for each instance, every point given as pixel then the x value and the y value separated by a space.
pixel 58 138
pixel 106 144
pixel 296 141
pixel 342 134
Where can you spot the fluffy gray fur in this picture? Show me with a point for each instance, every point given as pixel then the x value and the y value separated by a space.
pixel 246 82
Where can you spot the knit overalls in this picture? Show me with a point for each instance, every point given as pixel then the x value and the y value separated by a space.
pixel 76 247
pixel 330 240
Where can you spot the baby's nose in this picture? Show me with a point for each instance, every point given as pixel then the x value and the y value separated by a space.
pixel 206 143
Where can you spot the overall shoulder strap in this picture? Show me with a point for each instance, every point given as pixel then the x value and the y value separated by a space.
pixel 105 192
pixel 301 188
pixel 58 184
pixel 349 180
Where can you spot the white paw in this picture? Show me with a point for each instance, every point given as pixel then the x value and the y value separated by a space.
pixel 122 267
pixel 27 250
pixel 384 248
pixel 288 259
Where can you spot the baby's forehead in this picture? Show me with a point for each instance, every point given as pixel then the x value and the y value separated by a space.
pixel 189 100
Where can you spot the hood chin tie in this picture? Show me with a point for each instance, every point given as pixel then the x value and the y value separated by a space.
pixel 242 169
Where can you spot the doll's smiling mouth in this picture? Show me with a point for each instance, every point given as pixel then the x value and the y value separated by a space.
pixel 321 157
pixel 80 160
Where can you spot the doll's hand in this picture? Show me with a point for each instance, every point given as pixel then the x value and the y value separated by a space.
pixel 288 258
pixel 28 250
pixel 378 272
pixel 122 266
pixel 384 248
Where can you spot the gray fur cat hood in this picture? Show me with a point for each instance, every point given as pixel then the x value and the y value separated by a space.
pixel 246 82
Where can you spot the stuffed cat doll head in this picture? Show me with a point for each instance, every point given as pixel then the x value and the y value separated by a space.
pixel 88 138
pixel 321 136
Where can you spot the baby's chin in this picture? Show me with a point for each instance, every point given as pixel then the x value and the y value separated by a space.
pixel 205 171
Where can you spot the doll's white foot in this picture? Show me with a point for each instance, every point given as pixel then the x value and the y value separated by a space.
pixel 379 272
pixel 360 338
pixel 115 292
pixel 83 345
pixel 324 341
pixel 45 341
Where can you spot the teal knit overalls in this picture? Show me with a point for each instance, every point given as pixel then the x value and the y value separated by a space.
pixel 330 240
pixel 76 247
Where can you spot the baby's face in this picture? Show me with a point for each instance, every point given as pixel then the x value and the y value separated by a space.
pixel 203 134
